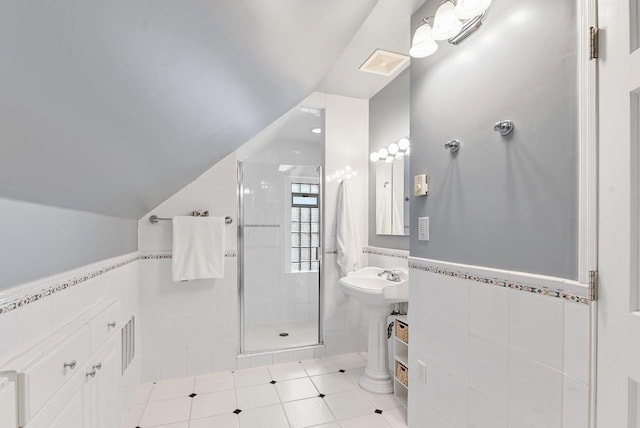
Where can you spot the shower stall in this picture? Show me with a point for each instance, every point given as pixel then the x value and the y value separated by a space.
pixel 280 237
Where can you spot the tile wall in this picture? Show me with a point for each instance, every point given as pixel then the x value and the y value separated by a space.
pixel 211 349
pixel 190 328
pixel 495 356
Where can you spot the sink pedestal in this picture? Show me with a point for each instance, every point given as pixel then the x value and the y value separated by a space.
pixel 377 289
pixel 376 376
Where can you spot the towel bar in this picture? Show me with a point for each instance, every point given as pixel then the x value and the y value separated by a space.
pixel 154 219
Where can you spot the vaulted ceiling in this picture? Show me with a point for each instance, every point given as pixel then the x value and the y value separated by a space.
pixel 111 106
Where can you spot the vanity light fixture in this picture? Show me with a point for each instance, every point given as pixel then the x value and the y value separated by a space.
pixel 446 24
pixel 454 21
pixel 395 150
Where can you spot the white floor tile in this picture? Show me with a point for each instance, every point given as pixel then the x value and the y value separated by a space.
pixel 143 393
pixel 397 418
pixel 309 412
pixel 368 421
pixel 381 401
pixel 132 419
pixel 172 389
pixel 250 377
pixel 296 389
pixel 166 412
pixel 354 375
pixel 228 420
pixel 213 403
pixel 349 361
pixel 349 404
pixel 287 371
pixel 184 424
pixel 332 383
pixel 256 396
pixel 321 366
pixel 264 417
pixel 213 382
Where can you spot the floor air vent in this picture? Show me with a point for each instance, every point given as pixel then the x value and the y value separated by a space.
pixel 128 337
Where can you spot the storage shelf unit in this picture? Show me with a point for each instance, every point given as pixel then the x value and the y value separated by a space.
pixel 401 356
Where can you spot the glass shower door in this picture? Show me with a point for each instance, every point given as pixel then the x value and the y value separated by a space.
pixel 280 255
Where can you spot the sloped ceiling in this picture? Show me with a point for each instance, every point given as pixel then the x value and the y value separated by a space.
pixel 112 106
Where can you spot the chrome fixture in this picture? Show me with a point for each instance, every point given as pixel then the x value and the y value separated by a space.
pixel 112 324
pixel 98 366
pixel 393 276
pixel 504 127
pixel 71 365
pixel 453 145
pixel 454 21
pixel 92 373
pixel 155 219
pixel 397 150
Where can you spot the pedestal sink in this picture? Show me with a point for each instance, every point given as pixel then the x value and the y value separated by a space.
pixel 377 289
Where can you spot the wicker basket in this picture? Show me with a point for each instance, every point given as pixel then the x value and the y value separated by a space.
pixel 402 373
pixel 402 331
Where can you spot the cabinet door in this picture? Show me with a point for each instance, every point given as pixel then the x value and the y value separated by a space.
pixel 108 389
pixel 75 414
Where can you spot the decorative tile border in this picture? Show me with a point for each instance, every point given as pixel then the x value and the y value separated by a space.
pixel 500 282
pixel 386 252
pixel 13 303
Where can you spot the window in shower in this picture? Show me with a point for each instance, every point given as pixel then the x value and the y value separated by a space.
pixel 305 227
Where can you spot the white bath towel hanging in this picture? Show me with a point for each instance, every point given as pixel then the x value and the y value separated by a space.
pixel 348 244
pixel 198 248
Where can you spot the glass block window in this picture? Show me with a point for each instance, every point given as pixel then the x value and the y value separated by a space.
pixel 305 227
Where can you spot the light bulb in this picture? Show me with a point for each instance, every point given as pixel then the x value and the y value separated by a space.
pixel 399 155
pixel 446 24
pixel 466 9
pixel 408 151
pixel 316 131
pixel 389 159
pixel 393 148
pixel 383 153
pixel 423 44
pixel 375 157
pixel 403 143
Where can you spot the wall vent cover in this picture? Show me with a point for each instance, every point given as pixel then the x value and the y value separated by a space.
pixel 384 63
pixel 128 342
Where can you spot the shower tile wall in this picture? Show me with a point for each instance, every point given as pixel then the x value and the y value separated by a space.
pixel 190 328
pixel 271 293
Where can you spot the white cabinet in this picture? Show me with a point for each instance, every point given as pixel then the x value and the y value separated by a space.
pixel 73 379
pixel 107 388
pixel 401 359
pixel 74 415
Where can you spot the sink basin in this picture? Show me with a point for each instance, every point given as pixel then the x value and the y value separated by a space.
pixel 371 287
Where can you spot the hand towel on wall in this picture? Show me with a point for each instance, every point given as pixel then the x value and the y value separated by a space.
pixel 347 242
pixel 198 248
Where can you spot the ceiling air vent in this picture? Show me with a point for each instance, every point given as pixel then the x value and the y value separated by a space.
pixel 384 63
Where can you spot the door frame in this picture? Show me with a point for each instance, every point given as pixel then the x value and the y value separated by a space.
pixel 588 181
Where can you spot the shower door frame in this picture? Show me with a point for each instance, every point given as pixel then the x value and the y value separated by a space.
pixel 240 190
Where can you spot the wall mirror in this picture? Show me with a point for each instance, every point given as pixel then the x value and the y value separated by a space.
pixel 392 195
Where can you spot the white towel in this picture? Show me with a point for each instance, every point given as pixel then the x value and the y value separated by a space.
pixel 348 244
pixel 198 248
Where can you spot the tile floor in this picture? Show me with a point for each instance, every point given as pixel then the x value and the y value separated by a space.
pixel 267 336
pixel 312 393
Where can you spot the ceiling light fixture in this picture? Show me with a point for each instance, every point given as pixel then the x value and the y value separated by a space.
pixel 395 150
pixel 454 21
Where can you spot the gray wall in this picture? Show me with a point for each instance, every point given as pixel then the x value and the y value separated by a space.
pixel 388 122
pixel 509 203
pixel 38 240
